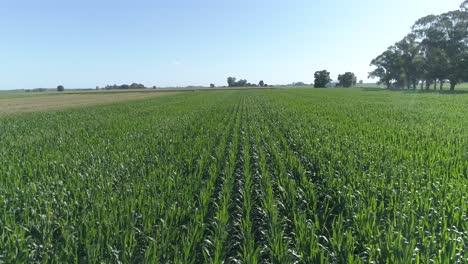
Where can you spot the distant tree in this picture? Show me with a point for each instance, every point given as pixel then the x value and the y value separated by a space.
pixel 261 83
pixel 60 88
pixel 97 88
pixel 347 80
pixel 136 86
pixel 39 90
pixel 212 85
pixel 299 84
pixel 265 85
pixel 154 86
pixel 126 86
pixel 241 83
pixel 361 82
pixel 231 81
pixel 322 78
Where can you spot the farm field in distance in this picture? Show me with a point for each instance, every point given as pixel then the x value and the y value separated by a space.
pixel 239 176
pixel 20 102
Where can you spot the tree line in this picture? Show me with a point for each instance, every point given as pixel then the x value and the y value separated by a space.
pixel 434 52
pixel 233 82
pixel 322 79
pixel 125 86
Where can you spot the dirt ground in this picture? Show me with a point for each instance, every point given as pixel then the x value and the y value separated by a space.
pixel 45 103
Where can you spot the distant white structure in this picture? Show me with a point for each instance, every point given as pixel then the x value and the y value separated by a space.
pixel 332 84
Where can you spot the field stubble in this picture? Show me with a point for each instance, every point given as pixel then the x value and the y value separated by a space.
pixel 14 105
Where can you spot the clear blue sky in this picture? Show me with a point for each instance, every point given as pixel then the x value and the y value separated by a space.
pixel 86 43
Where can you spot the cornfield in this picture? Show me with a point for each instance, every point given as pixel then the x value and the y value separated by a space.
pixel 251 176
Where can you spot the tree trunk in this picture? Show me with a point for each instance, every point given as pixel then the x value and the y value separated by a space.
pixel 422 85
pixel 441 85
pixel 452 85
pixel 414 85
pixel 428 83
pixel 435 85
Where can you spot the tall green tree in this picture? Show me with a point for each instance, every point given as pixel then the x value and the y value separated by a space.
pixel 231 81
pixel 241 83
pixel 347 79
pixel 435 51
pixel 411 60
pixel 388 68
pixel 322 78
pixel 445 41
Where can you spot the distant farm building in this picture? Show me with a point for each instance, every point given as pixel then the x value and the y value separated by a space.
pixel 332 85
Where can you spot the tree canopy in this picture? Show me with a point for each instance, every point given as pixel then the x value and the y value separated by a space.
pixel 347 79
pixel 464 6
pixel 322 78
pixel 125 86
pixel 232 82
pixel 436 50
pixel 299 84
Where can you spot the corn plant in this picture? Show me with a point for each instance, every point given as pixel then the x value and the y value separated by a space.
pixel 246 176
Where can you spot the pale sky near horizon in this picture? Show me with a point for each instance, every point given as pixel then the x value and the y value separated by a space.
pixel 88 43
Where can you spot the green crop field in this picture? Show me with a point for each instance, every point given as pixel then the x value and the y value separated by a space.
pixel 247 176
